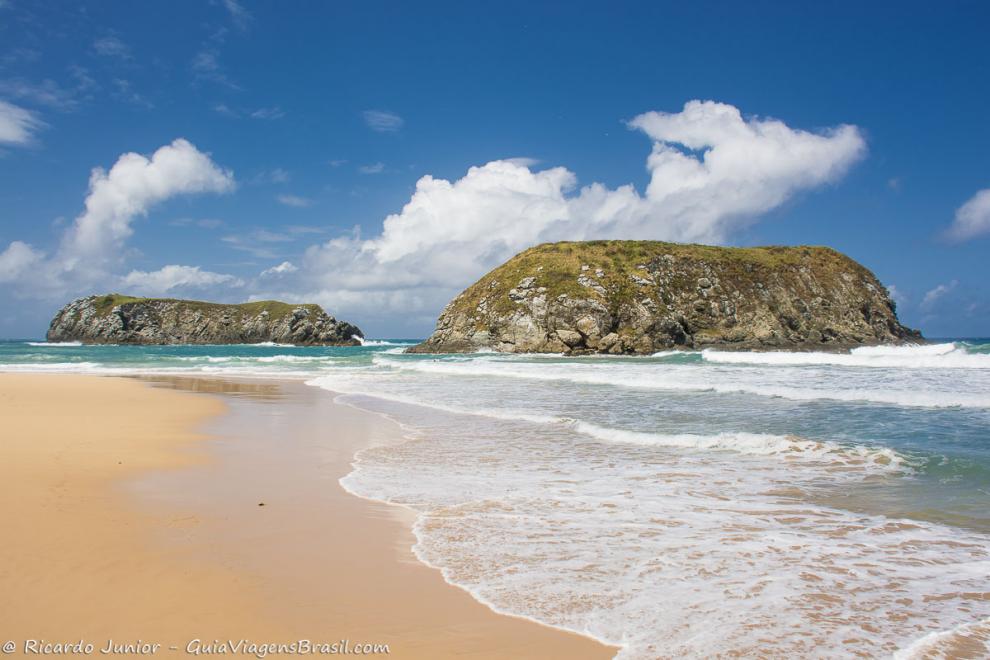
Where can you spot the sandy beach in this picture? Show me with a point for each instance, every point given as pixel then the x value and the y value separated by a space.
pixel 141 510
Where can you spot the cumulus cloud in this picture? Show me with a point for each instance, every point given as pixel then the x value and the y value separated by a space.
pixel 17 260
pixel 174 277
pixel 17 125
pixel 712 172
pixel 383 121
pixel 283 268
pixel 95 242
pixel 131 188
pixel 711 169
pixel 972 218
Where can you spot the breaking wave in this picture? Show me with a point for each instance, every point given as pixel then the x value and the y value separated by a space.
pixel 930 356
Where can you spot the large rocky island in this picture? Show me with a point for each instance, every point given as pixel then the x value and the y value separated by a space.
pixel 639 297
pixel 118 319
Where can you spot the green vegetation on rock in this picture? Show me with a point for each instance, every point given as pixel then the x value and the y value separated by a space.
pixel 642 296
pixel 120 319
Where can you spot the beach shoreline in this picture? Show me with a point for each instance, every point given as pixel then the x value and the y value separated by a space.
pixel 142 510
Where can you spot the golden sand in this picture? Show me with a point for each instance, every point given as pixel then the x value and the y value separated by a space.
pixel 120 521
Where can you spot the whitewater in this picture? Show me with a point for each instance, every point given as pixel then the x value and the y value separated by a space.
pixel 684 504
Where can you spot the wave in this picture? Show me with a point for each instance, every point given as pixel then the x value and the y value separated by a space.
pixel 755 444
pixel 264 359
pixel 336 384
pixel 54 344
pixel 96 368
pixel 970 638
pixel 381 342
pixel 68 367
pixel 758 444
pixel 931 356
pixel 520 522
pixel 685 378
pixel 976 346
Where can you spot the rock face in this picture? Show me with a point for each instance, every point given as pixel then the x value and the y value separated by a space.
pixel 117 319
pixel 639 297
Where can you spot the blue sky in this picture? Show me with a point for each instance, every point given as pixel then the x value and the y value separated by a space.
pixel 305 125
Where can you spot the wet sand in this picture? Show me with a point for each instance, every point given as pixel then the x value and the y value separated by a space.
pixel 132 512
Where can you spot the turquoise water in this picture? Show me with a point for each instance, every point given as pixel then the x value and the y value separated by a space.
pixel 792 503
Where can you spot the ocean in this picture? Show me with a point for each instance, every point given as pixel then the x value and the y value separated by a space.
pixel 683 504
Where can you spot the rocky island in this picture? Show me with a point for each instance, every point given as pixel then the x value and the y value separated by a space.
pixel 639 297
pixel 119 319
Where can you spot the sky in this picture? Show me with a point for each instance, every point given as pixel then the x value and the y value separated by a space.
pixel 379 157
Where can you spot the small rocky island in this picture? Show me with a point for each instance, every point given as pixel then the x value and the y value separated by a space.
pixel 639 297
pixel 118 319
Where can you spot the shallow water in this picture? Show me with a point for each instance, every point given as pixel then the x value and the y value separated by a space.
pixel 706 503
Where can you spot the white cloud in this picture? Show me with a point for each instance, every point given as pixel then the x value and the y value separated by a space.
pixel 931 297
pixel 712 172
pixel 124 91
pixel 17 125
pixel 972 218
pixel 206 66
pixel 737 167
pixel 111 46
pixel 240 16
pixel 96 241
pixel 131 188
pixel 225 110
pixel 523 161
pixel 383 121
pixel 18 260
pixel 282 269
pixel 294 200
pixel 268 113
pixel 337 162
pixel 373 168
pixel 206 61
pixel 304 229
pixel 277 175
pixel 172 277
pixel 896 295
pixel 48 92
pixel 205 223
pixel 257 243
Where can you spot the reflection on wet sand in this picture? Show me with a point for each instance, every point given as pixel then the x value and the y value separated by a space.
pixel 253 389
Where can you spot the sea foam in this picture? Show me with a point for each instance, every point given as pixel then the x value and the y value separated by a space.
pixel 666 552
pixel 54 344
pixel 929 356
pixel 945 389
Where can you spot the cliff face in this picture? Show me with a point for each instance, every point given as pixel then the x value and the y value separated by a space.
pixel 639 297
pixel 117 319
